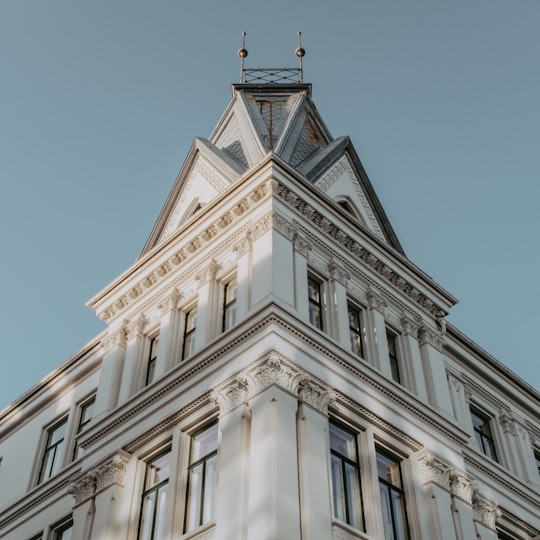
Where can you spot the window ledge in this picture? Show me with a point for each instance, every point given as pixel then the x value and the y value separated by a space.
pixel 204 532
pixel 342 531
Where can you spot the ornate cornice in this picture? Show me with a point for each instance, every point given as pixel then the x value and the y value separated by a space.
pixel 107 473
pixel 217 227
pixel 485 510
pixel 381 268
pixel 273 370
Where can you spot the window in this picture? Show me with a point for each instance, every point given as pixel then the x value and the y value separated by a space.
pixel 347 500
pixel 482 432
pixel 392 497
pixel 154 498
pixel 355 330
pixel 536 458
pixel 315 303
pixel 63 530
pixel 152 359
pixel 53 452
pixel 393 356
pixel 85 416
pixel 190 326
pixel 229 304
pixel 201 478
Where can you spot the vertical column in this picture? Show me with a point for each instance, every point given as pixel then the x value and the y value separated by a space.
pixel 377 333
pixel 337 308
pixel 102 503
pixel 273 510
pixel 462 511
pixel 313 473
pixel 207 314
pixel 169 338
pixel 435 476
pixel 486 513
pixel 412 361
pixel 132 372
pixel 243 252
pixel 513 451
pixel 462 411
pixel 527 441
pixel 233 457
pixel 435 373
pixel 114 348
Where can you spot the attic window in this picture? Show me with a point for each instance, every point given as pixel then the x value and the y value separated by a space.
pixel 195 210
pixel 347 207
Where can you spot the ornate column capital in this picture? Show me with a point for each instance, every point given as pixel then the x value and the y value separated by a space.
pixel 434 469
pixel 375 301
pixel 281 225
pixel 426 335
pixel 408 326
pixel 461 485
pixel 301 245
pixel 485 510
pixel 114 338
pixel 109 472
pixel 207 274
pixel 316 395
pixel 337 273
pixel 135 329
pixel 508 422
pixel 231 394
pixel 171 303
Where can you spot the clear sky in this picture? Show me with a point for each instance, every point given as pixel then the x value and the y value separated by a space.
pixel 100 102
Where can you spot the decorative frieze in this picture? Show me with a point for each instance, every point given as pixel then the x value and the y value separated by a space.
pixel 107 473
pixel 485 510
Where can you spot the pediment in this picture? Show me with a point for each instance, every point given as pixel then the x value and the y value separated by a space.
pixel 207 172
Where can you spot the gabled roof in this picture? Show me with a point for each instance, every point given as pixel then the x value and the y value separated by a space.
pixel 283 120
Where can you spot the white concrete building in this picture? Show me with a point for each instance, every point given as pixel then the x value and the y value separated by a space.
pixel 274 368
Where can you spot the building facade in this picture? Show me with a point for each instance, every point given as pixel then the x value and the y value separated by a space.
pixel 273 368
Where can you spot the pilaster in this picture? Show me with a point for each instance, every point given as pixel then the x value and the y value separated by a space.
pixel 412 361
pixel 207 315
pixel 301 249
pixel 169 334
pixel 486 513
pixel 131 375
pixel 338 294
pixel 377 342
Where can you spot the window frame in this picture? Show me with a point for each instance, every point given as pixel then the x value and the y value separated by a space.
pixel 393 489
pixel 81 425
pixel 344 461
pixel 358 332
pixel 151 359
pixel 395 356
pixel 190 314
pixel 319 303
pixel 187 526
pixel 481 436
pixel 229 306
pixel 61 527
pixel 58 460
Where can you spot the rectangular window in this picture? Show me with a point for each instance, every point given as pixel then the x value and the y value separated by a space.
pixel 393 356
pixel 536 458
pixel 85 416
pixel 482 432
pixel 229 304
pixel 53 453
pixel 63 531
pixel 190 325
pixel 355 330
pixel 152 359
pixel 315 303
pixel 392 497
pixel 201 478
pixel 154 498
pixel 347 500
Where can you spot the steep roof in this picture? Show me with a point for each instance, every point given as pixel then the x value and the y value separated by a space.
pixel 280 119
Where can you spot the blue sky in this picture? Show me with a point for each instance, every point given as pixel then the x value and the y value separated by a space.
pixel 100 102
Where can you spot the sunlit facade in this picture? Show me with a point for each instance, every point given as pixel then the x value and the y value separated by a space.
pixel 273 368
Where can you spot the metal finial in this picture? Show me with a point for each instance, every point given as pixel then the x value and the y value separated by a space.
pixel 300 52
pixel 242 53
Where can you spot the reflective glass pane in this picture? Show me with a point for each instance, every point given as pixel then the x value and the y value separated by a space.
pixel 159 526
pixel 343 442
pixel 338 489
pixel 388 469
pixel 204 443
pixel 147 516
pixel 353 496
pixel 194 497
pixel 386 513
pixel 209 483
pixel 398 508
pixel 158 469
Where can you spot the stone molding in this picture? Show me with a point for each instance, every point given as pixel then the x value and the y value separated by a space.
pixel 337 273
pixel 461 485
pixel 208 273
pixel 113 339
pixel 214 229
pixel 331 229
pixel 508 422
pixel 171 303
pixel 408 326
pixel 301 245
pixel 273 370
pixel 485 510
pixel 107 473
pixel 135 328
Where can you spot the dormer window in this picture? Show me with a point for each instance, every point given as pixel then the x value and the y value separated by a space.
pixel 347 207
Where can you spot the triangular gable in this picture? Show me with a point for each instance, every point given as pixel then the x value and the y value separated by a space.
pixel 207 172
pixel 337 171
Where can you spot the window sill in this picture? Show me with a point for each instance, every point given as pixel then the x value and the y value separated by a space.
pixel 342 531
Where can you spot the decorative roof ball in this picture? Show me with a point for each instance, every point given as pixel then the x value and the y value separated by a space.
pixel 242 53
pixel 300 52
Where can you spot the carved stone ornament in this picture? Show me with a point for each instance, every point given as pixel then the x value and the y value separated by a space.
pixel 508 422
pixel 485 510
pixel 461 485
pixel 207 273
pixel 274 370
pixel 434 469
pixel 301 244
pixel 114 338
pixel 409 326
pixel 375 301
pixel 135 328
pixel 171 303
pixel 104 475
pixel 338 274
pixel 426 335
